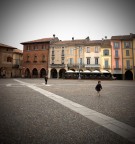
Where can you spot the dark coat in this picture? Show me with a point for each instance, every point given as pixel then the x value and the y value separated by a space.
pixel 98 87
pixel 46 78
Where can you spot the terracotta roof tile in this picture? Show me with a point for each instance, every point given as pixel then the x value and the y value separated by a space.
pixel 38 40
pixel 7 46
pixel 17 51
pixel 123 37
pixel 79 42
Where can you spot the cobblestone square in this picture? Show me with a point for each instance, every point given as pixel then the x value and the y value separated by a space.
pixel 27 116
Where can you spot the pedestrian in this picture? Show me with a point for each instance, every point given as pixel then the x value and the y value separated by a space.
pixel 98 87
pixel 46 78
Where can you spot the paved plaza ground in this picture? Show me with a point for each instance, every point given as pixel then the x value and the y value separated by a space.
pixel 66 112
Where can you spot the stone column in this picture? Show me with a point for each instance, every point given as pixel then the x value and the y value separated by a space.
pixel 57 73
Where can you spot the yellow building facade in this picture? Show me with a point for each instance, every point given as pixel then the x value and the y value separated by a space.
pixel 106 61
pixel 127 53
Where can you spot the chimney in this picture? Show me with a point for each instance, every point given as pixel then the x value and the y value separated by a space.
pixel 87 38
pixel 53 35
pixel 72 38
pixel 131 35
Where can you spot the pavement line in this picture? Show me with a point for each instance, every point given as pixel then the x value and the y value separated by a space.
pixel 112 124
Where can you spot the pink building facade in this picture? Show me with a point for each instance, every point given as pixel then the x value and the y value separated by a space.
pixel 116 58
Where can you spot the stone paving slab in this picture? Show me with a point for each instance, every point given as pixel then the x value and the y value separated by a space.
pixel 103 120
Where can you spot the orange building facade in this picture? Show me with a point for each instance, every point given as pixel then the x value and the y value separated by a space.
pixel 35 57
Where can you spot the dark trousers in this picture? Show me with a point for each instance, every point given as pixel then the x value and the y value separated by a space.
pixel 45 81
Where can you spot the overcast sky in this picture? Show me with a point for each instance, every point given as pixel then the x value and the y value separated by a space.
pixel 25 20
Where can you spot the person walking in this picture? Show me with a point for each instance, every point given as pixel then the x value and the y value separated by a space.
pixel 46 78
pixel 98 87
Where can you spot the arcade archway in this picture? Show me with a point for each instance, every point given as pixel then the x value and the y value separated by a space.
pixel 35 73
pixel 42 73
pixel 62 73
pixel 128 75
pixel 27 73
pixel 53 73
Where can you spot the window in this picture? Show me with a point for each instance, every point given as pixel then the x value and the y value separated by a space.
pixel 28 58
pixel 71 51
pixel 43 47
pixel 43 58
pixel 126 44
pixel 80 60
pixel 116 53
pixel 106 63
pixel 52 60
pixel 35 58
pixel 28 48
pixel 96 49
pixel 80 50
pixel 71 61
pixel 62 60
pixel 117 63
pixel 106 52
pixel 62 51
pixel 52 50
pixel 35 47
pixel 128 63
pixel 88 60
pixel 116 45
pixel 9 59
pixel 87 50
pixel 127 52
pixel 96 60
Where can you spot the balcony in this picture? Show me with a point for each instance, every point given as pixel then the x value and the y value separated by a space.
pixel 116 57
pixel 57 65
pixel 75 66
pixel 43 61
pixel 35 61
pixel 116 68
pixel 106 67
pixel 15 66
pixel 27 61
pixel 128 68
pixel 92 65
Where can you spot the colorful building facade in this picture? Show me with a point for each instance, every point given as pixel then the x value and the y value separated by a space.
pixel 36 56
pixel 6 60
pixel 84 57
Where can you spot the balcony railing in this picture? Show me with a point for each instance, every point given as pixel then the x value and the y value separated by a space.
pixel 15 66
pixel 116 68
pixel 116 57
pixel 128 67
pixel 75 65
pixel 92 65
pixel 106 67
pixel 27 61
pixel 57 65
pixel 43 61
